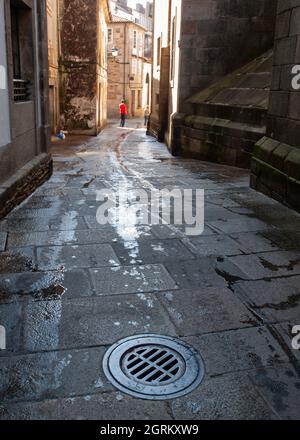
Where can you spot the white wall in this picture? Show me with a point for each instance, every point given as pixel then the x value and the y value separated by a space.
pixel 4 103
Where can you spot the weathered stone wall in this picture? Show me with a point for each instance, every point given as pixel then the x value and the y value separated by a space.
pixel 78 63
pixel 212 39
pixel 229 117
pixel 160 70
pixel 276 161
pixel 26 180
pixel 53 61
pixel 219 36
pixel 83 65
pixel 284 111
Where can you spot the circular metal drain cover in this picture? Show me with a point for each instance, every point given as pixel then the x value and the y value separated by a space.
pixel 153 367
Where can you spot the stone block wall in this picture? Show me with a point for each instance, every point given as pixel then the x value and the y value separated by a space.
pixel 284 111
pixel 229 117
pixel 83 65
pixel 24 182
pixel 78 64
pixel 219 36
pixel 160 87
pixel 159 119
pixel 276 161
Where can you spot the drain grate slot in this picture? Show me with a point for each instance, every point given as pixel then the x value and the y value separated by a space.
pixel 150 353
pixel 153 367
pixel 152 363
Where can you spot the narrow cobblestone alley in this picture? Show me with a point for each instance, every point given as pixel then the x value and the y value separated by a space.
pixel 70 288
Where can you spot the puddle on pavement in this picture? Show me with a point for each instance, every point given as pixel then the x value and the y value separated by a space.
pixel 36 285
pixel 15 263
pixel 52 292
pixel 88 184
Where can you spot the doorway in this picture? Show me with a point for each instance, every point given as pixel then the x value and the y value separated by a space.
pixel 133 103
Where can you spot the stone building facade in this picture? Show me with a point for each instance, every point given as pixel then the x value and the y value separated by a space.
pixel 83 65
pixel 24 130
pixel 143 15
pixel 276 159
pixel 196 43
pixel 121 9
pixel 222 92
pixel 53 60
pixel 129 72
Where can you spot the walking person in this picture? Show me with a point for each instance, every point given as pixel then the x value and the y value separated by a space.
pixel 146 115
pixel 123 113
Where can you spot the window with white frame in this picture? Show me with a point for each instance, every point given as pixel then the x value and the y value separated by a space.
pixel 110 36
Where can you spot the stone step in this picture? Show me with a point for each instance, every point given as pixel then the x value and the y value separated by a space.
pixel 220 140
pixel 229 117
pixel 240 114
pixel 242 96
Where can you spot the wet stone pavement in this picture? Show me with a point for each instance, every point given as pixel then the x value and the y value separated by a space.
pixel 69 288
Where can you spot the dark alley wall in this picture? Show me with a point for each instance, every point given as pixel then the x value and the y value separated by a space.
pixel 276 162
pixel 219 36
pixel 284 111
pixel 24 159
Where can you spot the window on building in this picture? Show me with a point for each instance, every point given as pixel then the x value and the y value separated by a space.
pixel 150 10
pixel 22 48
pixel 139 98
pixel 15 37
pixel 134 39
pixel 158 51
pixel 148 45
pixel 110 36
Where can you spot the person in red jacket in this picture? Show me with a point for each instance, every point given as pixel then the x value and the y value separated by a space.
pixel 123 113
